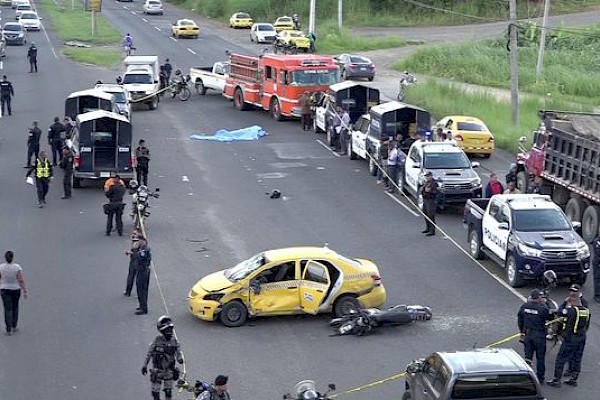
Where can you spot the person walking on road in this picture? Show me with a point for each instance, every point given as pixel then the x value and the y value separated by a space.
pixel 164 351
pixel 56 136
pixel 115 206
pixel 132 253
pixel 596 269
pixel 142 157
pixel 143 261
pixel 576 319
pixel 127 44
pixel 305 111
pixel 66 164
pixel 12 283
pixel 32 56
pixel 6 93
pixel 33 143
pixel 531 318
pixel 218 391
pixel 168 69
pixel 43 173
pixel 429 191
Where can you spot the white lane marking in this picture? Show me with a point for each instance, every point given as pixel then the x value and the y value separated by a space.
pixel 49 42
pixel 397 200
pixel 172 38
pixel 191 51
pixel 144 19
pixel 157 28
pixel 1 64
pixel 133 12
pixel 327 147
pixel 185 179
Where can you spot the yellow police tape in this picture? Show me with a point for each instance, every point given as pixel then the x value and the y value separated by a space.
pixel 148 96
pixel 403 374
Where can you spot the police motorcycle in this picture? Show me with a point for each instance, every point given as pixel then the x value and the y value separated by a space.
pixel 306 390
pixel 180 86
pixel 195 390
pixel 549 280
pixel 139 202
pixel 405 81
pixel 361 321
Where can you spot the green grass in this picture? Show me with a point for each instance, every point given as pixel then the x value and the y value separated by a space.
pixel 76 25
pixel 440 100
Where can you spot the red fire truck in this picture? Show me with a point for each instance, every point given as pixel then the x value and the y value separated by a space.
pixel 275 82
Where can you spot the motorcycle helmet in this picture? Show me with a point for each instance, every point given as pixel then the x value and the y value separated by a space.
pixel 549 278
pixel 177 72
pixel 133 184
pixel 164 323
pixel 310 395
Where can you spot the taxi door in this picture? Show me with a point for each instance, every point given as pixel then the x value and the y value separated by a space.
pixel 313 287
pixel 277 292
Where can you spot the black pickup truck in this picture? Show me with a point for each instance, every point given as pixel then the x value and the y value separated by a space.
pixel 527 234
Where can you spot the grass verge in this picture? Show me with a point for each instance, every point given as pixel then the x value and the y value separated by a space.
pixel 75 24
pixel 440 100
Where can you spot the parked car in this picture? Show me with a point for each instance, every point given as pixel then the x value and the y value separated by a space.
pixel 295 39
pixel 240 20
pixel 470 133
pixel 185 28
pixel 14 33
pixel 355 66
pixel 30 21
pixel 284 23
pixel 2 46
pixel 294 280
pixel 263 32
pixel 21 8
pixel 153 7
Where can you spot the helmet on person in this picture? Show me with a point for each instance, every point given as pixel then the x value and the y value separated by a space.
pixel 133 184
pixel 177 72
pixel 163 323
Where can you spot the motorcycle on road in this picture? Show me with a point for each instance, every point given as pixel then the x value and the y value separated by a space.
pixel 361 321
pixel 180 86
pixel 306 390
pixel 141 206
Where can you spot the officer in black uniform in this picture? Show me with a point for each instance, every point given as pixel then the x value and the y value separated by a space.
pixel 115 206
pixel 56 135
pixel 33 143
pixel 531 319
pixel 66 164
pixel 32 56
pixel 575 325
pixel 163 352
pixel 430 191
pixel 6 93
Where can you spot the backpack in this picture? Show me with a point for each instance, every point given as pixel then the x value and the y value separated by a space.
pixel 144 256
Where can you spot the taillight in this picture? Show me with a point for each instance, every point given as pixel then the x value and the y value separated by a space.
pixel 132 161
pixel 457 138
pixel 376 280
pixel 76 161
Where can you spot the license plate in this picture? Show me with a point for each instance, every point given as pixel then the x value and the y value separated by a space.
pixel 363 69
pixel 104 174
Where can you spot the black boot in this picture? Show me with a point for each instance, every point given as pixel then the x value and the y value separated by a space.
pixel 554 383
pixel 573 380
pixel 155 395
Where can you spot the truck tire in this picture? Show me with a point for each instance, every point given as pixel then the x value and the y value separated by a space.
pixel 580 280
pixel 401 179
pixel 372 166
pixel 475 245
pixel 560 195
pixel 76 183
pixel 329 136
pixel 200 88
pixel 590 223
pixel 522 181
pixel 238 99
pixel 512 274
pixel 275 109
pixel 315 126
pixel 351 154
pixel 407 396
pixel 153 105
pixel 574 209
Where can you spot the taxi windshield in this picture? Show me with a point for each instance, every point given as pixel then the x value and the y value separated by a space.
pixel 245 268
pixel 314 77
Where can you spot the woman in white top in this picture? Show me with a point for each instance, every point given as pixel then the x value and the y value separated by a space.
pixel 11 284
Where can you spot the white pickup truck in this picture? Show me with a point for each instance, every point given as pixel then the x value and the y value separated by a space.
pixel 205 78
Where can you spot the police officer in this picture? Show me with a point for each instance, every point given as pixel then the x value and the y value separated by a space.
pixel 163 352
pixel 531 319
pixel 33 143
pixel 142 157
pixel 43 174
pixel 32 56
pixel 429 191
pixel 6 93
pixel 115 206
pixel 576 321
pixel 168 69
pixel 66 164
pixel 56 136
pixel 596 266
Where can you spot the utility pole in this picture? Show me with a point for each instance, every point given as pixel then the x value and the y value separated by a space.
pixel 514 62
pixel 340 14
pixel 311 17
pixel 540 61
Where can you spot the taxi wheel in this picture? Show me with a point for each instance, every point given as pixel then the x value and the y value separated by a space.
pixel 234 314
pixel 344 305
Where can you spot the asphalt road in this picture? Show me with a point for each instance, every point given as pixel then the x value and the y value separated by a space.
pixel 79 337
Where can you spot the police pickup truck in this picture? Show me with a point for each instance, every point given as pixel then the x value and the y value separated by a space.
pixel 527 234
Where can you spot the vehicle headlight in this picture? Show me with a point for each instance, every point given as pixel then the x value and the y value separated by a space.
pixel 476 182
pixel 214 296
pixel 529 251
pixel 583 251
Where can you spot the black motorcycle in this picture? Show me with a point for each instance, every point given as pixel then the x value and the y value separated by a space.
pixel 361 321
pixel 306 390
pixel 180 86
pixel 139 201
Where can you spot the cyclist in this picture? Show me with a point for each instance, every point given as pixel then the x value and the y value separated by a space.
pixel 128 44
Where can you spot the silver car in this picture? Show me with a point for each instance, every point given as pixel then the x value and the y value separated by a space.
pixel 14 33
pixel 153 7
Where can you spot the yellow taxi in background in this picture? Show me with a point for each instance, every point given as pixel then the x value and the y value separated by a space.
pixel 185 28
pixel 294 280
pixel 240 20
pixel 294 38
pixel 469 133
pixel 284 23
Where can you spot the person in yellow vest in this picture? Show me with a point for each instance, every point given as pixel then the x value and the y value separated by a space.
pixel 43 174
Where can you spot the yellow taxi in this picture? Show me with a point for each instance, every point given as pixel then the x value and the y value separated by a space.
pixel 185 28
pixel 240 20
pixel 294 280
pixel 470 133
pixel 294 38
pixel 284 23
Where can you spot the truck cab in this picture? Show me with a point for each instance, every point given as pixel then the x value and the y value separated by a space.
pixel 527 234
pixel 141 79
pixel 479 374
pixel 205 78
pixel 450 166
pixel 121 97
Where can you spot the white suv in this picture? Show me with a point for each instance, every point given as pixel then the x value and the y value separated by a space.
pixel 153 7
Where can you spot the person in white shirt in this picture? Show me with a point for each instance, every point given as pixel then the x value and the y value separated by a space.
pixel 11 285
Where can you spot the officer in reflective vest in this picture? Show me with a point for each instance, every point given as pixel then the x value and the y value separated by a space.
pixel 43 174
pixel 575 325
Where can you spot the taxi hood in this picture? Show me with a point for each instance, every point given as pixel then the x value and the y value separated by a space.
pixel 215 282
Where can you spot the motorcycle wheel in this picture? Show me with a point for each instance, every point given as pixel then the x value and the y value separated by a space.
pixel 174 92
pixel 184 93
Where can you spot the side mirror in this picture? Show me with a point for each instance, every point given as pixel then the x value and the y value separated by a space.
pixel 522 139
pixel 157 190
pixel 414 367
pixel 331 386
pixel 576 225
pixel 475 164
pixel 503 226
pixel 255 286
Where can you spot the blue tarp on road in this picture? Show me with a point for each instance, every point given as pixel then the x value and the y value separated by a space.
pixel 254 132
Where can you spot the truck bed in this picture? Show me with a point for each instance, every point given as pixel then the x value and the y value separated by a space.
pixel 204 69
pixel 476 207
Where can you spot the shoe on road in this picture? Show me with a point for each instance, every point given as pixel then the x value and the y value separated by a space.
pixel 141 312
pixel 554 383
